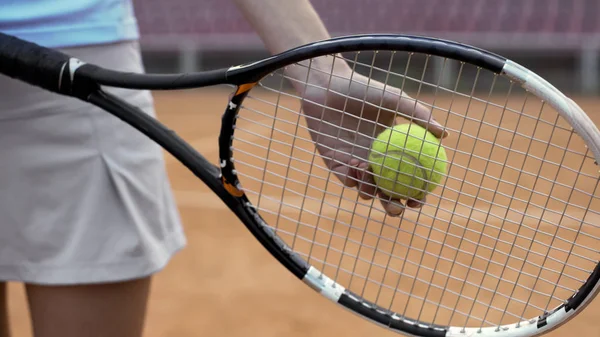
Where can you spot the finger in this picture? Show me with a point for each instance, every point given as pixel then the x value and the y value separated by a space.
pixel 414 203
pixel 393 207
pixel 367 188
pixel 356 173
pixel 349 174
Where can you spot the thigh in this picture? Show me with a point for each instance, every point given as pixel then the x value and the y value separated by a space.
pixel 4 327
pixel 109 309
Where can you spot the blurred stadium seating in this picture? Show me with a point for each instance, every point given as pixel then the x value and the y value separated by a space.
pixel 558 38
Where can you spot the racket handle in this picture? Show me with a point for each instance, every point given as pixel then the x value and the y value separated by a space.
pixel 40 66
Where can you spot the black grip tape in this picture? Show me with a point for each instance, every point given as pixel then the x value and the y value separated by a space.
pixel 40 66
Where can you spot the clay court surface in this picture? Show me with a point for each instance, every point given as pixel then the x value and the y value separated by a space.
pixel 224 283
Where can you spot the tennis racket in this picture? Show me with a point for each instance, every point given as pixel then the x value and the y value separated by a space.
pixel 506 245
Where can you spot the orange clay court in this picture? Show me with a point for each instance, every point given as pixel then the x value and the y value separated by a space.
pixel 225 284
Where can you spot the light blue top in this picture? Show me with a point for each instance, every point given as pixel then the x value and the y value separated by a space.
pixel 67 23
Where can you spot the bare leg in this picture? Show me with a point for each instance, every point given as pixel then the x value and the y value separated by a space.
pixel 4 327
pixel 112 309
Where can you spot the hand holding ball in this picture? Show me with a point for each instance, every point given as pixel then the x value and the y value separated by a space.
pixel 407 162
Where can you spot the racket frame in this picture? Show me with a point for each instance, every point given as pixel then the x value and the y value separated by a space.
pixel 63 74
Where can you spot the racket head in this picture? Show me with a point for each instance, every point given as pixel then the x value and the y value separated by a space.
pixel 492 249
pixel 488 252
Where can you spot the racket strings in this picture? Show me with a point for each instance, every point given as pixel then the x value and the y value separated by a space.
pixel 514 286
pixel 310 199
pixel 440 88
pixel 387 267
pixel 553 237
pixel 521 114
pixel 464 167
pixel 508 235
pixel 329 173
pixel 457 151
pixel 513 184
pixel 478 243
pixel 314 259
pixel 517 133
pixel 499 146
pixel 315 200
pixel 282 164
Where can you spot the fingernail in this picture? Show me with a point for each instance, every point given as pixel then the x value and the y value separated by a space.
pixel 444 132
pixel 395 209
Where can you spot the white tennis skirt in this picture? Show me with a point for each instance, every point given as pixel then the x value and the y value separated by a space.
pixel 84 197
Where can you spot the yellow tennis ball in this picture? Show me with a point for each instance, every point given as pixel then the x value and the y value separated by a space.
pixel 407 161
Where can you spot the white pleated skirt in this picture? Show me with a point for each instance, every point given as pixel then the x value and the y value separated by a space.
pixel 84 197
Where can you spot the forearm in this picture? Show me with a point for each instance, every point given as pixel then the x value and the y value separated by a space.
pixel 283 24
pixel 286 24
